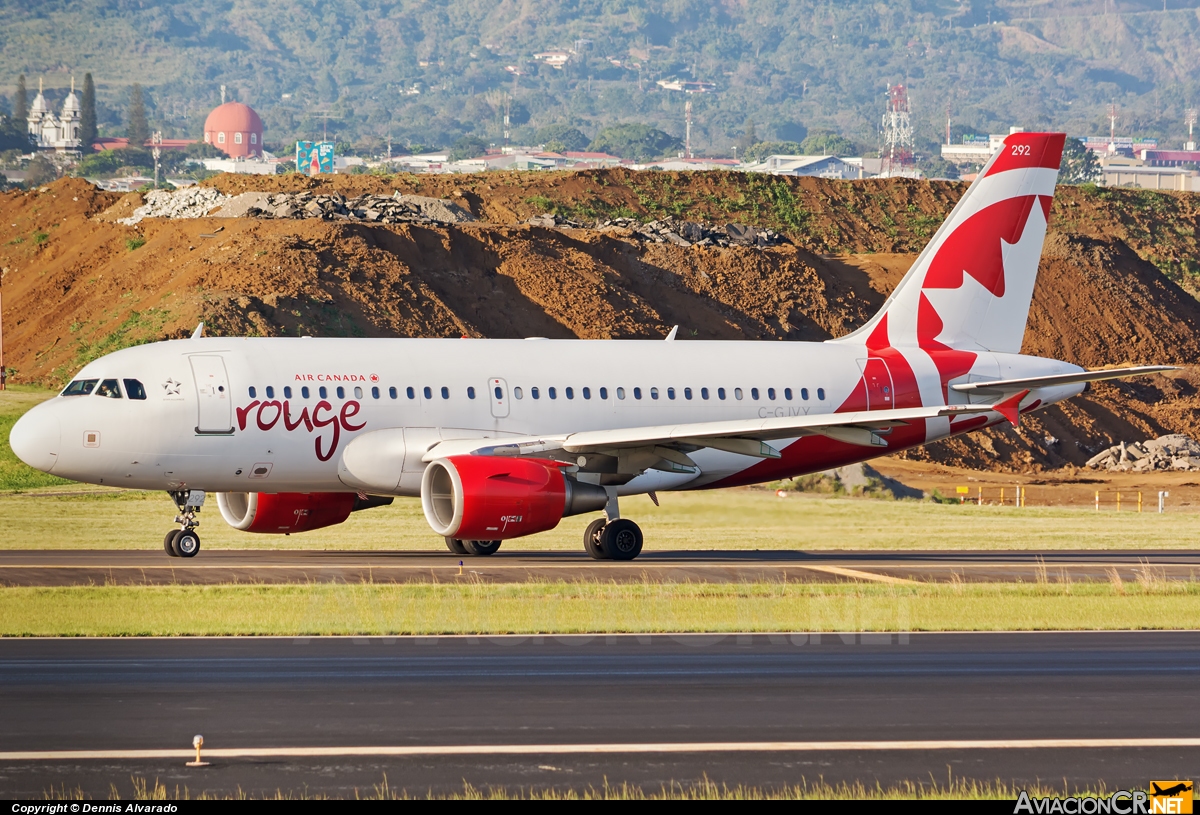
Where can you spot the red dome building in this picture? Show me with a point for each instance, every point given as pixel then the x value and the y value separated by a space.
pixel 236 129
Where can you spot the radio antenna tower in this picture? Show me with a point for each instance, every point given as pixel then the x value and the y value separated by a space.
pixel 897 152
pixel 1191 123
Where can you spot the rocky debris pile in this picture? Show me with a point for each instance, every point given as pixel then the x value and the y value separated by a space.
pixel 189 202
pixel 864 479
pixel 378 209
pixel 671 230
pixel 1173 452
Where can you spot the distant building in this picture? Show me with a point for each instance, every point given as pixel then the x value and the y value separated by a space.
pixel 235 129
pixel 555 59
pixel 686 86
pixel 690 164
pixel 110 143
pixel 820 166
pixel 48 131
pixel 1151 178
pixel 1170 158
pixel 245 166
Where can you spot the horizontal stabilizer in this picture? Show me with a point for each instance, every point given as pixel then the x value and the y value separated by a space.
pixel 1009 385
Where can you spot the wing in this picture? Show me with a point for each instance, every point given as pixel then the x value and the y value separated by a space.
pixel 666 447
pixel 1009 385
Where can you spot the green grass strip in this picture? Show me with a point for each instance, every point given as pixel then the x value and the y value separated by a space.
pixel 570 608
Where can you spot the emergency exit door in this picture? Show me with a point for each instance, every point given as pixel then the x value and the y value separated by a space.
pixel 213 397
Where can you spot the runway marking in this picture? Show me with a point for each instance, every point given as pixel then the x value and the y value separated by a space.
pixel 493 565
pixel 860 575
pixel 564 749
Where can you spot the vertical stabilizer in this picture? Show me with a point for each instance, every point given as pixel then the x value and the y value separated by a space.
pixel 970 289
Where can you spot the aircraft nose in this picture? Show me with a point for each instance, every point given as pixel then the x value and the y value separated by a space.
pixel 36 437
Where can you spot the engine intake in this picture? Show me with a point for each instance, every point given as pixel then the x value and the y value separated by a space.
pixel 494 498
pixel 287 512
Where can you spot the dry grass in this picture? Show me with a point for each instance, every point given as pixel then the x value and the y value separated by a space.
pixel 570 608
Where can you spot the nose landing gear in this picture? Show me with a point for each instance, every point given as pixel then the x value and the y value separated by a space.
pixel 185 542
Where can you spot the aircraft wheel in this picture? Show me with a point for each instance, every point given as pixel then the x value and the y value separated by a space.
pixel 169 543
pixel 456 546
pixel 481 547
pixel 187 543
pixel 621 539
pixel 591 539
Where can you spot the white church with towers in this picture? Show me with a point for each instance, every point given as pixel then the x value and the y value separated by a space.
pixel 50 132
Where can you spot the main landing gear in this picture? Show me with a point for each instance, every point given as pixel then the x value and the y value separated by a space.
pixel 185 541
pixel 612 537
pixel 464 547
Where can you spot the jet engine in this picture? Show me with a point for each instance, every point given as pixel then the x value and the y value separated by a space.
pixel 287 512
pixel 495 498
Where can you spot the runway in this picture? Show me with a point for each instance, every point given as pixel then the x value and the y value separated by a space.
pixel 100 567
pixel 329 715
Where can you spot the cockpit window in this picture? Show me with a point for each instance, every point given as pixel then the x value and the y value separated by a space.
pixel 109 388
pixel 80 387
pixel 134 389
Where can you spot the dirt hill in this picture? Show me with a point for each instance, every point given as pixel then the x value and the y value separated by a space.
pixel 77 284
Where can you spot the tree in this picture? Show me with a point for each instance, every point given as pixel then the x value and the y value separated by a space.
pixel 938 167
pixel 1079 164
pixel 468 147
pixel 139 128
pixel 825 143
pixel 21 104
pixel 560 138
pixel 40 171
pixel 763 149
pixel 634 141
pixel 749 138
pixel 87 116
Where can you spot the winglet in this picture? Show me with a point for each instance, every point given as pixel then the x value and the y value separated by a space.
pixel 1010 408
pixel 199 332
pixel 674 331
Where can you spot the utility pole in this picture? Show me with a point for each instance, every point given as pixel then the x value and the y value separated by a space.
pixel 1112 127
pixel 687 144
pixel 947 124
pixel 3 370
pixel 1191 123
pixel 156 151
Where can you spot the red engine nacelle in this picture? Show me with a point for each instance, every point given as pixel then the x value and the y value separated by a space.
pixel 284 512
pixel 493 498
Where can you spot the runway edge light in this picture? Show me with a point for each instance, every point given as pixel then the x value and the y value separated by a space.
pixel 197 742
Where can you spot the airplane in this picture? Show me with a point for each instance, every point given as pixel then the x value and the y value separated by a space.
pixel 503 438
pixel 1171 791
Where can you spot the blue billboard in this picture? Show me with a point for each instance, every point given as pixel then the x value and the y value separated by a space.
pixel 314 158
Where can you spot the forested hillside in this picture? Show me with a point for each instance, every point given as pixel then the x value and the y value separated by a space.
pixel 428 73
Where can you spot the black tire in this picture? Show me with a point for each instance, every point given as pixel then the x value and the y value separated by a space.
pixel 481 548
pixel 186 543
pixel 169 543
pixel 456 546
pixel 591 539
pixel 622 539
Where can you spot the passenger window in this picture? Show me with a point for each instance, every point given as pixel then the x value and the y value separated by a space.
pixel 499 393
pixel 787 394
pixel 637 393
pixel 341 392
pixel 134 389
pixel 620 393
pixel 470 392
pixel 323 392
pixel 553 392
pixel 604 393
pixel 587 393
pixel 721 393
pixel 287 391
pixel 271 391
pixel 410 393
pixel 517 392
pixel 428 391
pixel 804 394
pixel 374 393
pixel 687 393
pixel 304 391
pixel 654 393
pixel 771 394
pixel 821 394
pixel 670 393
pixel 570 392
pixel 357 392
pixel 392 392
pixel 737 394
pixel 253 392
pixel 80 387
pixel 754 394
pixel 535 393
pixel 704 393
pixel 445 392
pixel 109 388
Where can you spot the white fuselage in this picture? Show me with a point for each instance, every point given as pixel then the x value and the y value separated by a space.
pixel 201 428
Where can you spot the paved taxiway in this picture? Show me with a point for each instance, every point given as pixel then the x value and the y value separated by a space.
pixel 98 567
pixel 436 692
